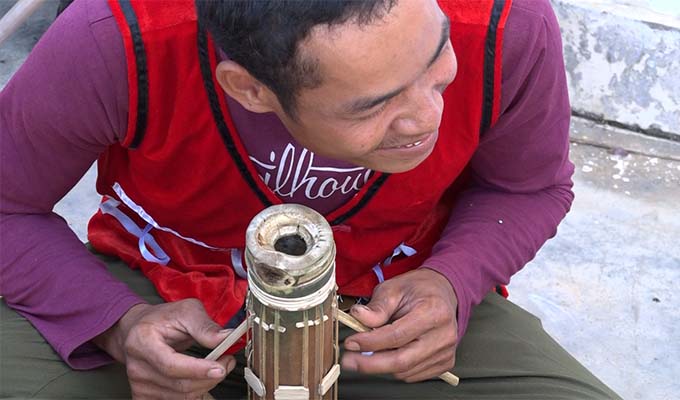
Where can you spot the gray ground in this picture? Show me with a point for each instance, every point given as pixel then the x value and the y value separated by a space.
pixel 604 287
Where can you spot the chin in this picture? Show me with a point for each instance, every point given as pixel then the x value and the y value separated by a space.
pixel 396 167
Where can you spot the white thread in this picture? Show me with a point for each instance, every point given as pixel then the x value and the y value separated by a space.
pixel 315 322
pixel 408 251
pixel 254 382
pixel 238 264
pixel 110 207
pixel 377 270
pixel 268 327
pixel 294 304
pixel 146 217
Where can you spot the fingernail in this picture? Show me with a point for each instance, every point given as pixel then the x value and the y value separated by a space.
pixel 216 373
pixel 352 346
pixel 359 308
pixel 231 365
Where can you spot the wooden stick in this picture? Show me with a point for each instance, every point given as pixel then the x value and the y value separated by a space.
pixel 228 341
pixel 16 16
pixel 226 344
pixel 354 324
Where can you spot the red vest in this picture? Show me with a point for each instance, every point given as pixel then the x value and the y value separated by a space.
pixel 183 172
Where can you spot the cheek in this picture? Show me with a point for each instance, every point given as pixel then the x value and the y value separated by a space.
pixel 359 138
pixel 381 132
pixel 341 141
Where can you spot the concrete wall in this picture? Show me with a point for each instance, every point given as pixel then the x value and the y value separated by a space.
pixel 623 61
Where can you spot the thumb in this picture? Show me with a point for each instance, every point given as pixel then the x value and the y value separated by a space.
pixel 377 312
pixel 204 330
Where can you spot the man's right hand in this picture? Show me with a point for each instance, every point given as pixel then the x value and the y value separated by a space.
pixel 149 340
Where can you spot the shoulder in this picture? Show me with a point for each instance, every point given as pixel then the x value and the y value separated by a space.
pixel 75 74
pixel 90 38
pixel 87 28
pixel 97 11
pixel 530 23
pixel 531 37
pixel 84 14
pixel 531 10
pixel 89 24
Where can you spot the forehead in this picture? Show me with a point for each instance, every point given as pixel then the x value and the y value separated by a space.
pixel 381 56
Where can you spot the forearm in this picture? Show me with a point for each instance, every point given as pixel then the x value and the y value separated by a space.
pixel 491 235
pixel 49 277
pixel 521 187
pixel 61 109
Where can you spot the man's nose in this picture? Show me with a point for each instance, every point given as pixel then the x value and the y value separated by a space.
pixel 423 112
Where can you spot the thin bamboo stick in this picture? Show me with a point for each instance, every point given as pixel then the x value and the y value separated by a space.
pixel 357 326
pixel 228 341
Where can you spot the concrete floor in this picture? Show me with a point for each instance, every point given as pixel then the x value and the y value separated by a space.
pixel 604 287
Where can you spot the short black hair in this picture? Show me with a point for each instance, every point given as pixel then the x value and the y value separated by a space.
pixel 263 36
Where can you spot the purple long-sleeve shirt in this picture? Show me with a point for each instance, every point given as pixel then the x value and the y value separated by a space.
pixel 68 102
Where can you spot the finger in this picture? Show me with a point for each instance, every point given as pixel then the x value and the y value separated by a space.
pixel 182 345
pixel 380 309
pixel 176 365
pixel 388 361
pixel 141 372
pixel 199 325
pixel 146 344
pixel 407 360
pixel 432 372
pixel 150 391
pixel 431 368
pixel 147 391
pixel 397 334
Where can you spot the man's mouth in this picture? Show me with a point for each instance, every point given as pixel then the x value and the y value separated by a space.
pixel 405 146
pixel 418 143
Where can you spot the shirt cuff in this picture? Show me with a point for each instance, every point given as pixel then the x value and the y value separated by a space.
pixel 81 354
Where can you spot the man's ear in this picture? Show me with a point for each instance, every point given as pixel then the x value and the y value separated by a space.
pixel 244 88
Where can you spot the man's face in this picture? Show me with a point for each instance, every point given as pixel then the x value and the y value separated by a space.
pixel 380 102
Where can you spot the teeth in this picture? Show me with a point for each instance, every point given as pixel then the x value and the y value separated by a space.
pixel 413 144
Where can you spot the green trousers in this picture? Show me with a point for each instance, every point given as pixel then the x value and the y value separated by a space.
pixel 505 354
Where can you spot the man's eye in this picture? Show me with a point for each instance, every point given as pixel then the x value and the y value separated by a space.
pixel 374 113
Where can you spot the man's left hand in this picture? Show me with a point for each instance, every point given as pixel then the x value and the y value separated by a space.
pixel 415 335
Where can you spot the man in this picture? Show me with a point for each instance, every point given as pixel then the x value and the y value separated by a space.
pixel 432 136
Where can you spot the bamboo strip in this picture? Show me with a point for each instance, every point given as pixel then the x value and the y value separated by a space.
pixel 354 324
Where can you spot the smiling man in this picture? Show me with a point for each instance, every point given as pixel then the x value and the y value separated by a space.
pixel 375 92
pixel 433 136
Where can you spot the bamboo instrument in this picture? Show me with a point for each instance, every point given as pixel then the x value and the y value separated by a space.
pixel 343 317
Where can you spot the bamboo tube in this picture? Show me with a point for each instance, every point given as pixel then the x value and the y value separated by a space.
pixel 343 317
